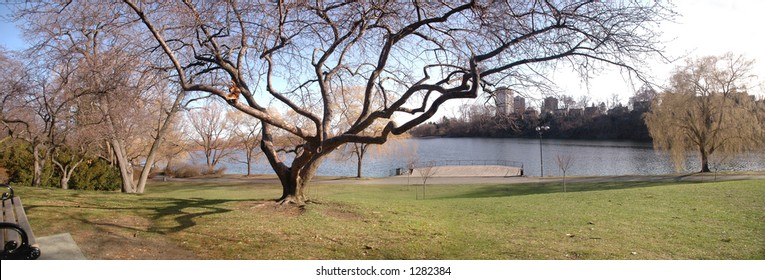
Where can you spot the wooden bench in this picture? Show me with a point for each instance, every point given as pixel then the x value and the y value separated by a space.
pixel 15 233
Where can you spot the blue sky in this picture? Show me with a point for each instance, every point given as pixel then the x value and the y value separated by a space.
pixel 9 34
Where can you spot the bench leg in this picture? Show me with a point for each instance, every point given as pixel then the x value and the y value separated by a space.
pixel 14 251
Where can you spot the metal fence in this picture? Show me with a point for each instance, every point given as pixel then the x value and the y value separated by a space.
pixel 407 170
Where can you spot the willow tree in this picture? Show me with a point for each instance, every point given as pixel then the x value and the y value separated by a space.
pixel 707 110
pixel 410 57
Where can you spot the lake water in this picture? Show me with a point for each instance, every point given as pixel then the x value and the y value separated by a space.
pixel 587 157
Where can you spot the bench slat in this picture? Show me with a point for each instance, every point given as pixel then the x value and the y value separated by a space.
pixel 9 217
pixel 2 231
pixel 23 221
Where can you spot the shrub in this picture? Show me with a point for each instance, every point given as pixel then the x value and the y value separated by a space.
pixel 93 174
pixel 96 174
pixel 219 171
pixel 185 171
pixel 16 160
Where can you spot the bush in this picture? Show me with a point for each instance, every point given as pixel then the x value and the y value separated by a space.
pixel 96 174
pixel 16 160
pixel 219 171
pixel 185 171
pixel 93 174
pixel 4 179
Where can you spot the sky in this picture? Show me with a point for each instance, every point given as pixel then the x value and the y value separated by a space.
pixel 704 27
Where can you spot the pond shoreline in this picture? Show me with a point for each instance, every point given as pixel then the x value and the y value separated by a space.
pixel 467 180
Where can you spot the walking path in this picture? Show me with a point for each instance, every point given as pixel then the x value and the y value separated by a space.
pixel 59 247
pixel 414 179
pixel 478 175
pixel 469 171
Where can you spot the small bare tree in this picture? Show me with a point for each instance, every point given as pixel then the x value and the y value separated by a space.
pixel 717 161
pixel 426 171
pixel 411 163
pixel 213 130
pixel 564 163
pixel 247 137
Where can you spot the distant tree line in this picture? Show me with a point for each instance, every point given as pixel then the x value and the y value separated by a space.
pixel 618 125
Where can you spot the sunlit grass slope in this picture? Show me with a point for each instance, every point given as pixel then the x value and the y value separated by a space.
pixel 619 220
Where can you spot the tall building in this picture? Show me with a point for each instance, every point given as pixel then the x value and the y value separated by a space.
pixel 519 104
pixel 550 105
pixel 504 98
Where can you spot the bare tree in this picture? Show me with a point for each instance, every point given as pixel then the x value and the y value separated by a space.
pixel 426 171
pixel 645 93
pixel 411 163
pixel 167 118
pixel 564 163
pixel 176 146
pixel 246 137
pixel 350 102
pixel 584 101
pixel 32 107
pixel 108 81
pixel 306 50
pixel 568 101
pixel 73 150
pixel 707 109
pixel 213 131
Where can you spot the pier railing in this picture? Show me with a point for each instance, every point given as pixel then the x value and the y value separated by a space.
pixel 460 162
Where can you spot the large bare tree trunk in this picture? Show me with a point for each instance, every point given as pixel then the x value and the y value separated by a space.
pixel 38 166
pixel 161 133
pixel 358 166
pixel 293 190
pixel 249 164
pixel 126 169
pixel 66 171
pixel 295 178
pixel 150 158
pixel 65 181
pixel 360 151
pixel 704 160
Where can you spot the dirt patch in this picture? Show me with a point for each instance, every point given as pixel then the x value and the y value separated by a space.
pixel 118 246
pixel 272 207
pixel 339 211
pixel 332 210
pixel 128 238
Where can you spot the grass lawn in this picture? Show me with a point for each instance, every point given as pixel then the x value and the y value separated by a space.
pixel 211 220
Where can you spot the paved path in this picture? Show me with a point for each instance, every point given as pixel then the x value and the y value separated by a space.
pixel 469 171
pixel 59 247
pixel 474 178
pixel 415 179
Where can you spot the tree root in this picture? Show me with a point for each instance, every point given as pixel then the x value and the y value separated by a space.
pixel 290 203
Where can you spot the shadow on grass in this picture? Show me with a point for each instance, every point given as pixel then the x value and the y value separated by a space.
pixel 166 215
pixel 184 212
pixel 552 187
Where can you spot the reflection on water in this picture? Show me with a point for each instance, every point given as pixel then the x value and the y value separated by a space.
pixel 588 157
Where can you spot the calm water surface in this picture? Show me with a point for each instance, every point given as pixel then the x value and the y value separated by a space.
pixel 588 157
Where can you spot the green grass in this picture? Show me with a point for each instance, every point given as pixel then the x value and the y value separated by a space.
pixel 618 220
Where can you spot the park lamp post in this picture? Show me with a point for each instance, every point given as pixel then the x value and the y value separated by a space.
pixel 541 129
